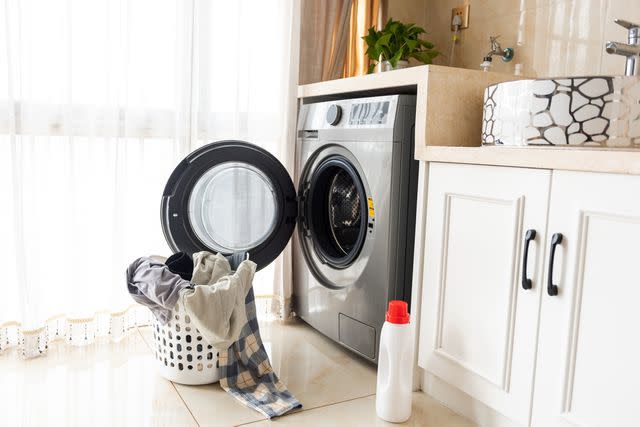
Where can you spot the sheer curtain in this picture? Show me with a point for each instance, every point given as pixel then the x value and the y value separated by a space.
pixel 99 100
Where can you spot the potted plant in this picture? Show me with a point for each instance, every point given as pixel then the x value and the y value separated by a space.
pixel 396 43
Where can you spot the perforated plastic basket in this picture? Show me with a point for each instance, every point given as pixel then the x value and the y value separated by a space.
pixel 182 353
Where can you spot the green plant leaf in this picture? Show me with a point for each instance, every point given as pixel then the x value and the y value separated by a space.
pixel 371 69
pixel 426 44
pixel 395 58
pixel 384 40
pixel 373 53
pixel 425 56
pixel 412 45
pixel 394 28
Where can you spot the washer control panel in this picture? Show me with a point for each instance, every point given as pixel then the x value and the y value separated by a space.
pixel 369 113
pixel 374 112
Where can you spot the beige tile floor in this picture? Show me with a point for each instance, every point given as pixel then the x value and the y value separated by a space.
pixel 109 384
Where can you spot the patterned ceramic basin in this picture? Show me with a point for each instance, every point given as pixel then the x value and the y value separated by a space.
pixel 599 111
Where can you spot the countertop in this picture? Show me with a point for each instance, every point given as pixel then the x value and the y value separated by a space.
pixel 449 116
pixel 448 100
pixel 564 158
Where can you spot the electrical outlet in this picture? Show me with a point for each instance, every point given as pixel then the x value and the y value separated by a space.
pixel 463 13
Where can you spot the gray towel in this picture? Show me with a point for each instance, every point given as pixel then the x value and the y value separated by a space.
pixel 151 283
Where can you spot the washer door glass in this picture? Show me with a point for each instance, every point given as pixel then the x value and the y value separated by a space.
pixel 344 207
pixel 233 207
pixel 336 211
pixel 230 196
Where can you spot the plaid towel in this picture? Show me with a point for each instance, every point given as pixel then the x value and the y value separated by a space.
pixel 246 372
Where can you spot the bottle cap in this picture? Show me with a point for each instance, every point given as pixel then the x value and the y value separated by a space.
pixel 398 312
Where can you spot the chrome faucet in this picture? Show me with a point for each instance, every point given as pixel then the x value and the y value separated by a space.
pixel 630 50
pixel 496 50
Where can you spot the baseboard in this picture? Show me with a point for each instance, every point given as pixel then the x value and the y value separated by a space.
pixel 463 404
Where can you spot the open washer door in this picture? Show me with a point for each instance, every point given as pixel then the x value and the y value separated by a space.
pixel 230 196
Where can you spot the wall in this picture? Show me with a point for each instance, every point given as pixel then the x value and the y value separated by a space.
pixel 550 37
pixel 414 11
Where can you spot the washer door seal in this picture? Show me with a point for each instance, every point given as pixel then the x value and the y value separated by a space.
pixel 230 196
pixel 336 211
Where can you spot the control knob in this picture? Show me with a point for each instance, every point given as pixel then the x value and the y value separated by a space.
pixel 334 113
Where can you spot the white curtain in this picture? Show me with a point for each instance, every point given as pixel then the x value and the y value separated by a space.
pixel 99 100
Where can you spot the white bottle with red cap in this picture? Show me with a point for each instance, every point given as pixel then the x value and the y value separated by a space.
pixel 395 366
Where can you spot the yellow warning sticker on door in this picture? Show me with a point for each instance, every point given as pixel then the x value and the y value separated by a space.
pixel 372 212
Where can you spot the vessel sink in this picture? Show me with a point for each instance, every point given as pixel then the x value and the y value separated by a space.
pixel 601 111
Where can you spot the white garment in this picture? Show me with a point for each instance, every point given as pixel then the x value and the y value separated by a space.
pixel 99 100
pixel 217 304
pixel 209 268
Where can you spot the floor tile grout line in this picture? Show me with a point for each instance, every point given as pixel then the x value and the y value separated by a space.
pixel 171 382
pixel 144 340
pixel 185 403
pixel 260 420
pixel 310 409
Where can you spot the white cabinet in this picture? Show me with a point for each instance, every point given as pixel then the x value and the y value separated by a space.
pixel 482 333
pixel 478 325
pixel 588 369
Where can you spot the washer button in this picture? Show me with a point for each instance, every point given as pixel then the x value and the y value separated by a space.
pixel 334 114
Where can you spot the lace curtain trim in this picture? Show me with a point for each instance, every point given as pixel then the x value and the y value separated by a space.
pixel 114 325
pixel 77 332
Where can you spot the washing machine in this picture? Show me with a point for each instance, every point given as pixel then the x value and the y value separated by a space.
pixel 353 209
pixel 357 181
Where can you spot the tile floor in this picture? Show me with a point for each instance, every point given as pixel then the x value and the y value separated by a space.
pixel 106 384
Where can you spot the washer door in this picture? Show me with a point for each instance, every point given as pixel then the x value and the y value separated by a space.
pixel 230 196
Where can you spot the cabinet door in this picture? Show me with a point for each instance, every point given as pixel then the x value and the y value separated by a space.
pixel 478 325
pixel 588 370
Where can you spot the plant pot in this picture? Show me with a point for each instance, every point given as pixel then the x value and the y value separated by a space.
pixel 386 65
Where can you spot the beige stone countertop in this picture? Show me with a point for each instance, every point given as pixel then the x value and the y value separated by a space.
pixel 448 99
pixel 561 158
pixel 449 120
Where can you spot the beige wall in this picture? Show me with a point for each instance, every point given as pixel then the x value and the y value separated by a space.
pixel 409 11
pixel 550 37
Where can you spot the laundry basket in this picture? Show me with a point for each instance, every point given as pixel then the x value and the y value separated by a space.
pixel 182 353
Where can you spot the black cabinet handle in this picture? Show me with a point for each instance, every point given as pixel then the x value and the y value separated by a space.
pixel 556 239
pixel 528 237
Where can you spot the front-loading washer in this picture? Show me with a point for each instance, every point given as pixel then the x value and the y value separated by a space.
pixel 353 249
pixel 354 210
